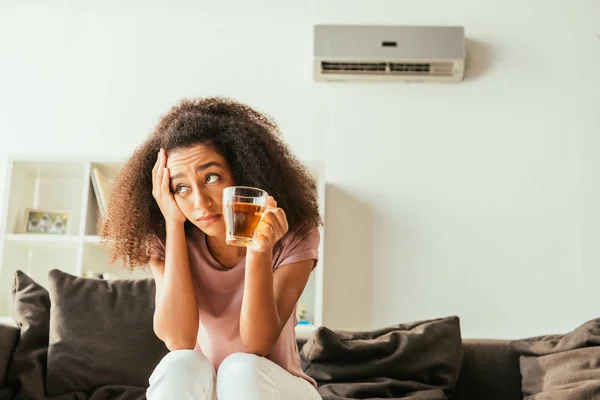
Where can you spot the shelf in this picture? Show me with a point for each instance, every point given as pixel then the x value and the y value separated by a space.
pixel 305 331
pixel 41 238
pixel 35 255
pixel 91 239
pixel 97 260
pixel 51 186
pixel 109 169
pixel 48 169
pixel 7 320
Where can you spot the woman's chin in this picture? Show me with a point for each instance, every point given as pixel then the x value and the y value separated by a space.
pixel 211 230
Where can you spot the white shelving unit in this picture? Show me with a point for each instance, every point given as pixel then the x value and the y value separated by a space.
pixel 64 184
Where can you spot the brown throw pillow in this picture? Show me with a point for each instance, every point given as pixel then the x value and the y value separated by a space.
pixel 418 360
pixel 561 367
pixel 30 309
pixel 100 333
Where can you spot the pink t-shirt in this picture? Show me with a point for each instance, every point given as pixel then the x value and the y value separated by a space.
pixel 219 293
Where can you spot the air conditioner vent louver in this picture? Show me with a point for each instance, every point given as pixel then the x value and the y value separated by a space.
pixel 434 69
pixel 428 69
pixel 353 67
pixel 405 67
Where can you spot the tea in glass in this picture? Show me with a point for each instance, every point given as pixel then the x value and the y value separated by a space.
pixel 243 208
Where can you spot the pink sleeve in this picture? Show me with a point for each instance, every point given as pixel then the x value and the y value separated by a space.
pixel 299 247
pixel 155 249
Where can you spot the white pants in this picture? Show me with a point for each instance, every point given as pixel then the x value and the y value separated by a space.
pixel 189 375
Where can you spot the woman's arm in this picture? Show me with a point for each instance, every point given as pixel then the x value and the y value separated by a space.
pixel 269 299
pixel 176 311
pixel 176 318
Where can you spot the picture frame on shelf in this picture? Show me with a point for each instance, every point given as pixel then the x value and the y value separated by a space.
pixel 46 222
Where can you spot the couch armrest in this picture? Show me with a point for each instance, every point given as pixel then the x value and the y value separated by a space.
pixel 9 336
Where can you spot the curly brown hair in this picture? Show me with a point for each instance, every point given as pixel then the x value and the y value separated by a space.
pixel 249 140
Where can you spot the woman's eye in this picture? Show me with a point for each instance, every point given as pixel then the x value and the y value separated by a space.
pixel 212 178
pixel 181 189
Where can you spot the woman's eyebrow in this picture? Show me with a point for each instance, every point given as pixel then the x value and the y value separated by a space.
pixel 200 168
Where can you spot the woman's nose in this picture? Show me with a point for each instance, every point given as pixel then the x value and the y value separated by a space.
pixel 201 201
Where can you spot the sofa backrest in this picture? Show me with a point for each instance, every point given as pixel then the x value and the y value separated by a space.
pixel 490 371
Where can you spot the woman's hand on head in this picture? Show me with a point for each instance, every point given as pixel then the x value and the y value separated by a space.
pixel 162 192
pixel 272 227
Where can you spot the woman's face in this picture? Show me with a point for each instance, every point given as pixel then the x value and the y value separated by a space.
pixel 198 176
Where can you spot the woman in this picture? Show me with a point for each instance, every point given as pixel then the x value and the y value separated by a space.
pixel 227 314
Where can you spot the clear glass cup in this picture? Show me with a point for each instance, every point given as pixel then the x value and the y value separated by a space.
pixel 243 208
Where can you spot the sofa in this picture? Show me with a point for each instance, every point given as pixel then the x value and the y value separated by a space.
pixel 490 370
pixel 74 341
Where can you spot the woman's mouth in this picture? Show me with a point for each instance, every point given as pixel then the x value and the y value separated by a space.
pixel 209 219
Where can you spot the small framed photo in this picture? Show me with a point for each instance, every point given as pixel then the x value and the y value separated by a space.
pixel 42 221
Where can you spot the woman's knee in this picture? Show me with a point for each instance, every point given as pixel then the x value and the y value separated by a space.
pixel 241 372
pixel 183 366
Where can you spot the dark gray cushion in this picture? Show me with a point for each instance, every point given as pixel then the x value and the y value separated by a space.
pixel 561 367
pixel 100 333
pixel 418 360
pixel 30 309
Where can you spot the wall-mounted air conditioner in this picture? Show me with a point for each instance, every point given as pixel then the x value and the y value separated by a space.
pixel 389 53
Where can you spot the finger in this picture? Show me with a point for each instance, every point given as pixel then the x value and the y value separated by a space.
pixel 270 219
pixel 282 219
pixel 267 232
pixel 165 181
pixel 262 240
pixel 269 216
pixel 159 177
pixel 163 158
pixel 155 168
pixel 277 218
pixel 271 203
pixel 162 163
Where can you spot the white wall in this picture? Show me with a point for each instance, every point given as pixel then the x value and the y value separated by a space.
pixel 479 199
